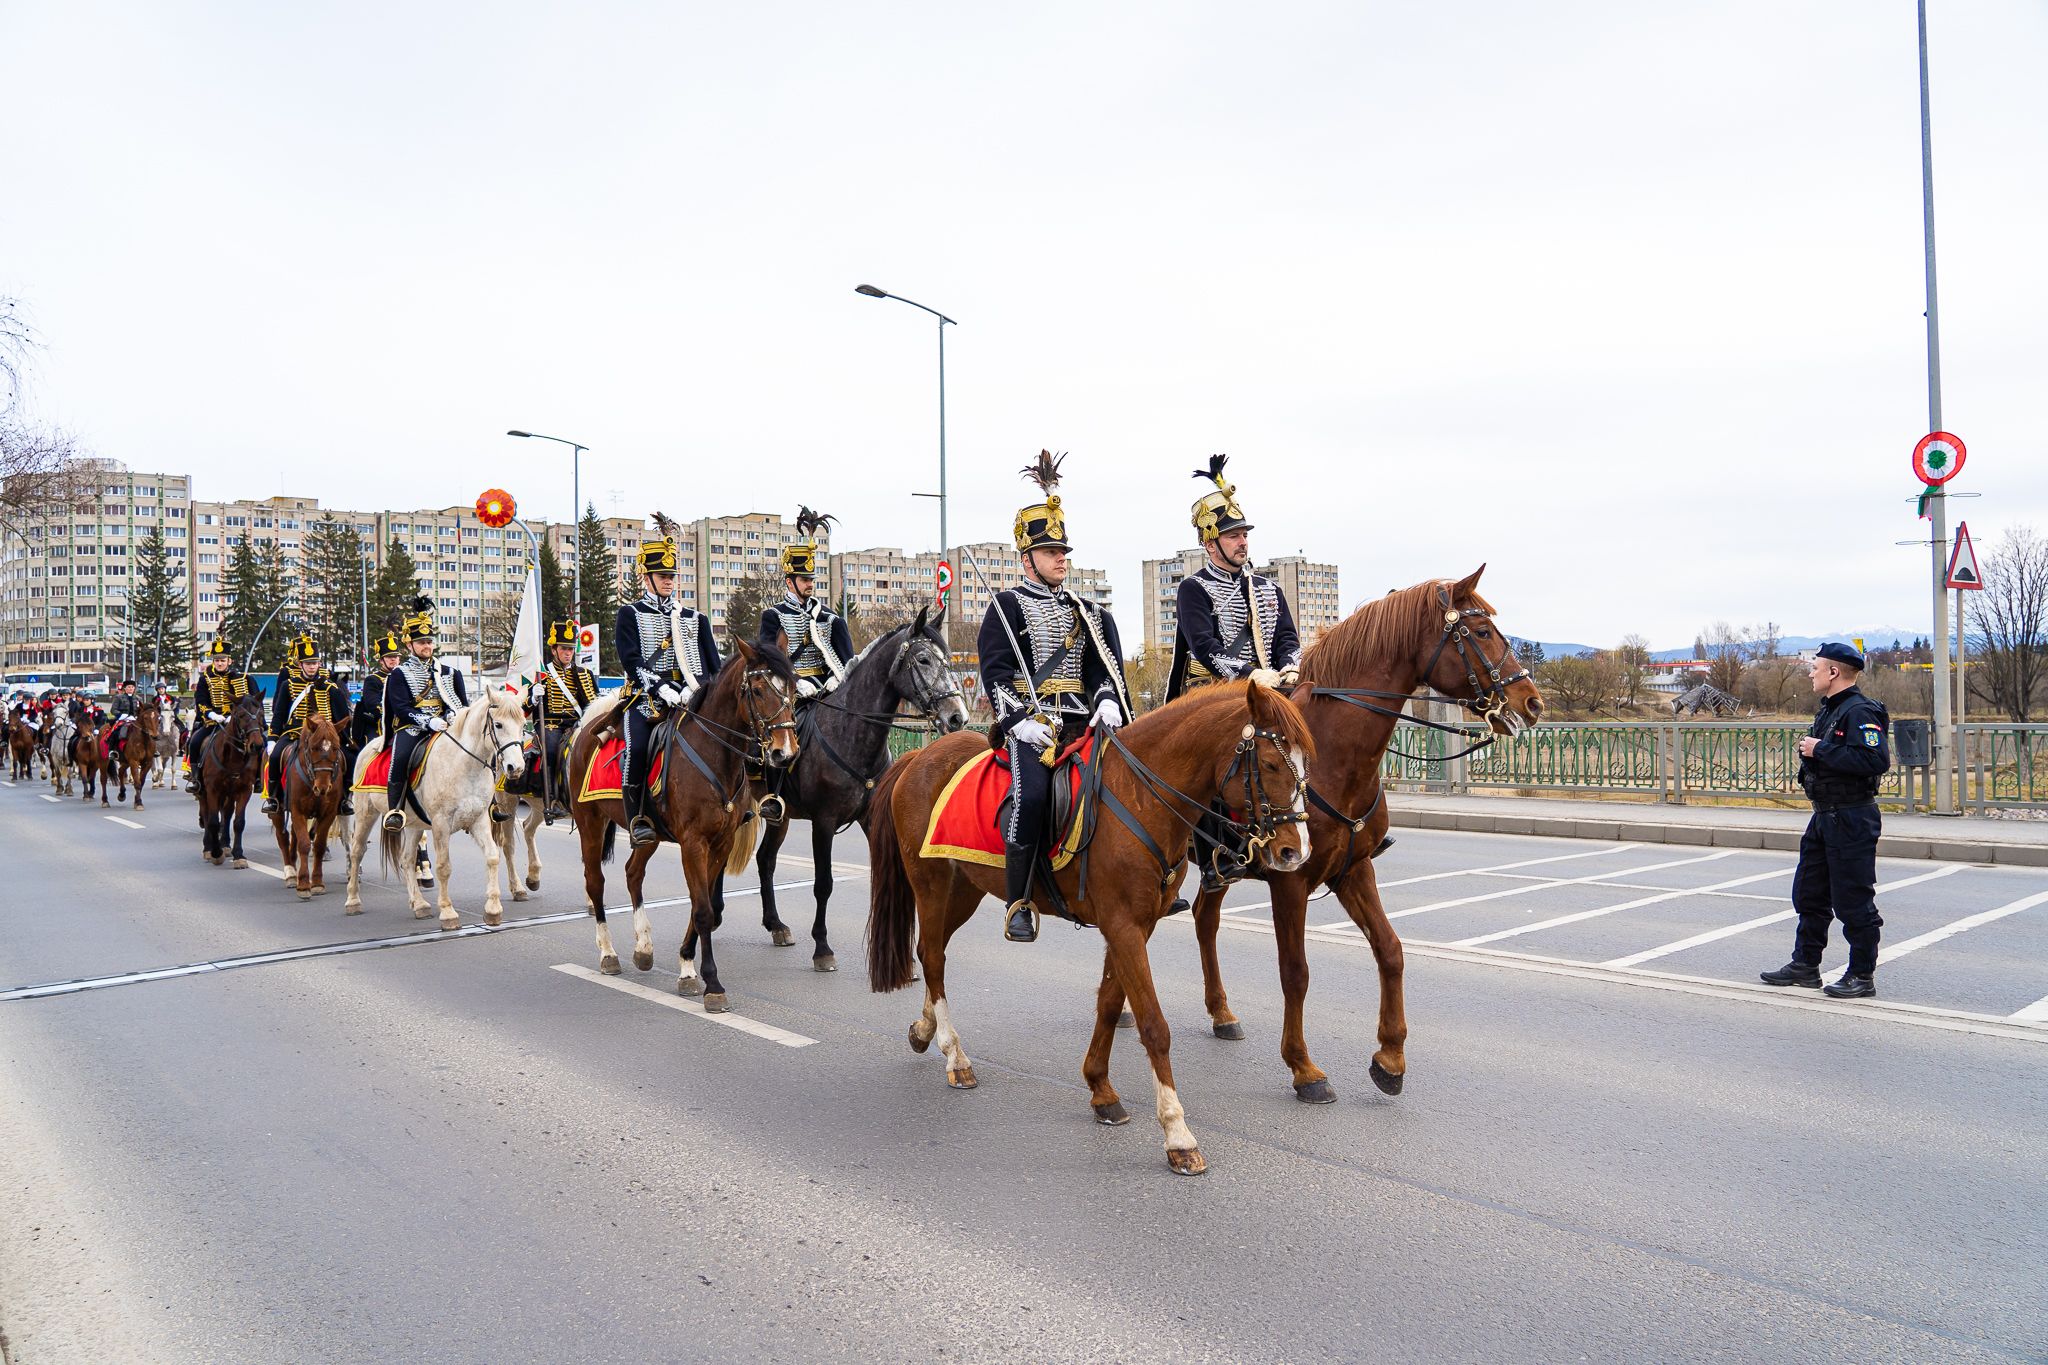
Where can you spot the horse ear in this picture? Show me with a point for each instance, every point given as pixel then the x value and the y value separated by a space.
pixel 1260 703
pixel 1469 584
pixel 745 650
pixel 917 626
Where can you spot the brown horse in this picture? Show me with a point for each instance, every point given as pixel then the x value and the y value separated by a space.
pixel 230 766
pixel 315 772
pixel 130 760
pixel 1354 681
pixel 745 713
pixel 92 759
pixel 1158 776
pixel 21 749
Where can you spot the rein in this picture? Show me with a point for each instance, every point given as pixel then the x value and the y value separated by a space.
pixel 756 736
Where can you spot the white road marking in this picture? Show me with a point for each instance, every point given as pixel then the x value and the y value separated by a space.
pixel 276 872
pixel 1641 886
pixel 670 1000
pixel 1729 931
pixel 51 799
pixel 1636 904
pixel 129 823
pixel 1588 880
pixel 2036 1013
pixel 1504 867
pixel 1963 925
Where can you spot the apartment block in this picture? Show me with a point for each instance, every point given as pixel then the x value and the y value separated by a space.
pixel 1309 586
pixel 1004 568
pixel 883 577
pixel 730 550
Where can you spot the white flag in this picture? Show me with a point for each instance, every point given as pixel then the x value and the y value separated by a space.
pixel 526 663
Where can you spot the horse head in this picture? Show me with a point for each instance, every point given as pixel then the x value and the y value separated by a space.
pixel 1265 778
pixel 767 702
pixel 1470 660
pixel 506 729
pixel 922 676
pixel 320 756
pixel 245 725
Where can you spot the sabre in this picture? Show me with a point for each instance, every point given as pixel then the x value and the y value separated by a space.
pixel 1050 758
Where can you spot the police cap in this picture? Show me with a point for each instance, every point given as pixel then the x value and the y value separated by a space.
pixel 1836 652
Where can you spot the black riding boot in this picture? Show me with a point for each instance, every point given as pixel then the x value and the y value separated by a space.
pixel 270 789
pixel 640 829
pixel 1022 925
pixel 394 799
pixel 774 810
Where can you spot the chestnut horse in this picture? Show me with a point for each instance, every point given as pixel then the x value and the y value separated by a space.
pixel 230 767
pixel 315 772
pixel 745 713
pixel 1354 681
pixel 1156 778
pixel 21 749
pixel 92 758
pixel 135 754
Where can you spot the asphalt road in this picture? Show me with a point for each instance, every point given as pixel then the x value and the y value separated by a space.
pixel 452 1150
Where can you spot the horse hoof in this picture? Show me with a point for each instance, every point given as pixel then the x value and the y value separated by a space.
pixel 961 1078
pixel 643 960
pixel 518 894
pixel 690 985
pixel 782 938
pixel 421 913
pixel 494 918
pixel 319 890
pixel 609 964
pixel 450 923
pixel 351 909
pixel 1186 1163
pixel 1316 1092
pixel 241 862
pixel 715 1003
pixel 532 882
pixel 1233 1030
pixel 918 1044
pixel 825 963
pixel 1127 1020
pixel 1389 1082
pixel 1113 1114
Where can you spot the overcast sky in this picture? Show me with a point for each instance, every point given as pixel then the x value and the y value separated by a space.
pixel 1624 300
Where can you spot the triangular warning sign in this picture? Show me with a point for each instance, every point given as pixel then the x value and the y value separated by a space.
pixel 1962 561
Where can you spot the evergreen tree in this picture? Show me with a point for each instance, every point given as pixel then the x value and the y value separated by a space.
pixel 241 617
pixel 392 590
pixel 159 613
pixel 555 588
pixel 278 584
pixel 332 596
pixel 601 598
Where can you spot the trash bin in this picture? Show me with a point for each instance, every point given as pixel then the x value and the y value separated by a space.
pixel 1909 744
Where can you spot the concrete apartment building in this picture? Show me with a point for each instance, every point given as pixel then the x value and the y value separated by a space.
pixel 1310 587
pixel 1000 561
pixel 884 577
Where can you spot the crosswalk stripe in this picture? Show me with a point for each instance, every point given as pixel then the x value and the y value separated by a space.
pixel 1963 925
pixel 670 1000
pixel 1636 904
pixel 1729 931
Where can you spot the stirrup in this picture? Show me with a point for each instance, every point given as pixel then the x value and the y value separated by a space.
pixel 394 821
pixel 642 832
pixel 773 810
pixel 1022 924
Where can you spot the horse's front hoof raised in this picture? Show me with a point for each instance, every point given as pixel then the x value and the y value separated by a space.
pixel 690 985
pixel 1316 1092
pixel 918 1044
pixel 961 1078
pixel 643 959
pixel 1188 1162
pixel 715 1003
pixel 1233 1031
pixel 782 938
pixel 1113 1114
pixel 532 882
pixel 609 964
pixel 1389 1082
pixel 825 962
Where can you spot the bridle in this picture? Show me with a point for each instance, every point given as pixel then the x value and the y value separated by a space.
pixel 926 700
pixel 760 729
pixel 496 761
pixel 1488 699
pixel 1267 819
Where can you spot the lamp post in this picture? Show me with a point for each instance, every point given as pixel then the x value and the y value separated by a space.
pixel 1944 734
pixel 575 512
pixel 872 292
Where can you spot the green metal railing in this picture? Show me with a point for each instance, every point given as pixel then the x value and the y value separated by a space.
pixel 2004 765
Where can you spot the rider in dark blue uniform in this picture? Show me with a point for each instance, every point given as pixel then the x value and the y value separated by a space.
pixel 419 697
pixel 666 652
pixel 815 638
pixel 1840 762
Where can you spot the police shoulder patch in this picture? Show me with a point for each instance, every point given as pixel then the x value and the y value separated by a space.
pixel 1872 736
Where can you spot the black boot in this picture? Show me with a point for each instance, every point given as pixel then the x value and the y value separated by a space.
pixel 1792 974
pixel 1022 925
pixel 639 828
pixel 1851 987
pixel 348 803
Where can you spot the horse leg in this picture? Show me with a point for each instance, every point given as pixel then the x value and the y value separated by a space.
pixel 409 856
pixel 451 918
pixel 1359 894
pixel 1109 1003
pixel 643 927
pixel 1208 915
pixel 302 855
pixel 533 819
pixel 701 876
pixel 358 836
pixel 487 840
pixel 590 834
pixel 938 918
pixel 1128 959
pixel 503 834
pixel 241 821
pixel 319 833
pixel 1290 914
pixel 822 957
pixel 764 865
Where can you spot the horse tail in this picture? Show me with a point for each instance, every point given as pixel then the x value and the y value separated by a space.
pixel 744 841
pixel 611 835
pixel 387 849
pixel 892 907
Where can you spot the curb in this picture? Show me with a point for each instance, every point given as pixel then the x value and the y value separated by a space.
pixel 1710 836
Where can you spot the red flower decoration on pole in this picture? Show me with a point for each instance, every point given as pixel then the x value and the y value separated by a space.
pixel 496 508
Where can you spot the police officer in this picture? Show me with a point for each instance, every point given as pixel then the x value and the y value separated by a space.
pixel 1840 762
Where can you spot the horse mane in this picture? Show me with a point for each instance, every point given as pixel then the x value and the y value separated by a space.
pixel 1378 632
pixel 1293 726
pixel 770 657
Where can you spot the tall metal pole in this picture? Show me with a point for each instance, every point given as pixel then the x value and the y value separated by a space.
pixel 1944 732
pixel 942 437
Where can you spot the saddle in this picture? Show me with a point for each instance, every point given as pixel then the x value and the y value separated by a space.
pixel 968 818
pixel 604 779
pixel 377 773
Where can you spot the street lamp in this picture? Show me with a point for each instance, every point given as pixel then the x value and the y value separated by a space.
pixel 872 292
pixel 575 512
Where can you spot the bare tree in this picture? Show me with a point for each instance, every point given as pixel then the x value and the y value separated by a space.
pixel 1726 651
pixel 1633 656
pixel 41 469
pixel 2010 647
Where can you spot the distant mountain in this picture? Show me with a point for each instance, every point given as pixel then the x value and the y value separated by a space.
pixel 1875 637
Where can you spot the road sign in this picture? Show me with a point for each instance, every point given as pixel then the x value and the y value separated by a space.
pixel 1938 458
pixel 1963 572
pixel 586 647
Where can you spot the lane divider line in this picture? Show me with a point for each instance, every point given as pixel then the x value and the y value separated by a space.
pixel 49 798
pixel 1477 939
pixel 2036 1013
pixel 120 821
pixel 1778 917
pixel 1588 880
pixel 1503 867
pixel 670 1000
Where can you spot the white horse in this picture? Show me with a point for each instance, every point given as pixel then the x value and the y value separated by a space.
pixel 168 751
pixel 61 770
pixel 458 790
pixel 525 813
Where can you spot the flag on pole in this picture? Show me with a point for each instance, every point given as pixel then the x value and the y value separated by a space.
pixel 527 660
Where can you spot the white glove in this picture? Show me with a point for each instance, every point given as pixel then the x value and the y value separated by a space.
pixel 1107 714
pixel 1290 677
pixel 1265 677
pixel 216 717
pixel 535 693
pixel 269 747
pixel 806 688
pixel 1033 731
pixel 436 724
pixel 670 694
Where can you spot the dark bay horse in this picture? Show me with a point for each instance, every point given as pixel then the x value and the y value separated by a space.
pixel 21 748
pixel 230 766
pixel 1438 634
pixel 133 752
pixel 745 713
pixel 92 758
pixel 1241 741
pixel 845 748
pixel 315 771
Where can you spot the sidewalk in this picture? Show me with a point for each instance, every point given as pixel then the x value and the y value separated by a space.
pixel 1963 839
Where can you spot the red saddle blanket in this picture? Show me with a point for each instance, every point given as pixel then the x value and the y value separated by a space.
pixel 965 820
pixel 603 780
pixel 377 772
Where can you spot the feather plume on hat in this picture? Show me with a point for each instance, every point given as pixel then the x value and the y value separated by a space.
pixel 1214 473
pixel 1045 471
pixel 809 523
pixel 666 524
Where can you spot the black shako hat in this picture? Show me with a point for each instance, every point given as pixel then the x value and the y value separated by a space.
pixel 1836 652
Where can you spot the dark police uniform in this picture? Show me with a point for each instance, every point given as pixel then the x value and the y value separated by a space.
pixel 1837 873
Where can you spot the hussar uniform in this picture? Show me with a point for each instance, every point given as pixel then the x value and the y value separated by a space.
pixel 816 639
pixel 366 719
pixel 557 699
pixel 666 652
pixel 213 698
pixel 1232 623
pixel 420 697
pixel 296 699
pixel 1070 674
